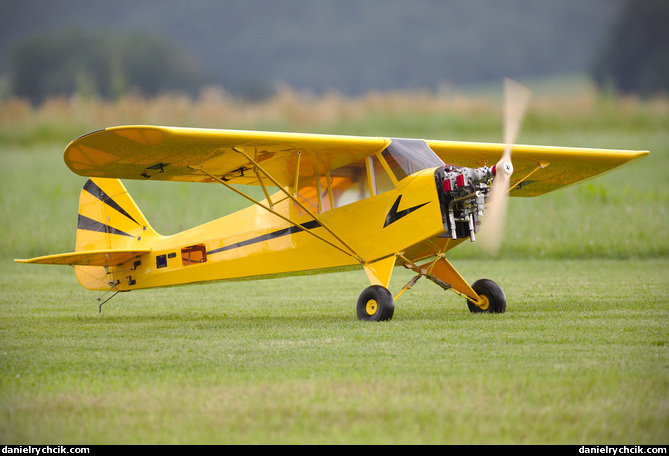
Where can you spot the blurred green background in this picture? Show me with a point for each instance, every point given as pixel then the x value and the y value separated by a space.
pixel 579 357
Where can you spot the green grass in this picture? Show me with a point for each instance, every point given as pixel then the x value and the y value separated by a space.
pixel 580 357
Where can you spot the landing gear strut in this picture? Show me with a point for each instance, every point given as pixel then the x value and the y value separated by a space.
pixel 484 295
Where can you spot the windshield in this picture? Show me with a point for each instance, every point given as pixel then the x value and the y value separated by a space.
pixel 407 156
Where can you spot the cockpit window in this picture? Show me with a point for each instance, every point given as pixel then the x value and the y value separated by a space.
pixel 366 177
pixel 407 156
pixel 340 187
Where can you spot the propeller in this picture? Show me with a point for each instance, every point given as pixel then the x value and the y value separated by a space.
pixel 516 99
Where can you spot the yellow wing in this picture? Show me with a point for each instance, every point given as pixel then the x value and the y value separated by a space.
pixel 537 169
pixel 177 154
pixel 184 154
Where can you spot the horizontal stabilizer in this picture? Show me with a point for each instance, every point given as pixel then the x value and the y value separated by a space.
pixel 110 257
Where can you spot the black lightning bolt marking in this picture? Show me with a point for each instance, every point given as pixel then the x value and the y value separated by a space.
pixel 394 215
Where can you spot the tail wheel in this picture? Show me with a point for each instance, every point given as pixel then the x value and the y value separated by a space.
pixel 375 304
pixel 494 300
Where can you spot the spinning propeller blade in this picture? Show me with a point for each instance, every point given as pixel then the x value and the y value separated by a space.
pixel 516 99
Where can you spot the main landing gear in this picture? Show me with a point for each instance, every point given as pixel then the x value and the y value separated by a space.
pixel 376 303
pixel 494 300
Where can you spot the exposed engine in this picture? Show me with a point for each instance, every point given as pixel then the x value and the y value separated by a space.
pixel 462 192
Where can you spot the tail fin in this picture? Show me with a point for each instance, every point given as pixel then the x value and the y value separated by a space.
pixel 110 219
pixel 109 222
pixel 111 230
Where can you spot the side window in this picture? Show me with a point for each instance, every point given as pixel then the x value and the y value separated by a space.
pixel 381 182
pixel 315 196
pixel 350 183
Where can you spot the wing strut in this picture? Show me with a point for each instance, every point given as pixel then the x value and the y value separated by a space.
pixel 542 164
pixel 283 217
pixel 296 201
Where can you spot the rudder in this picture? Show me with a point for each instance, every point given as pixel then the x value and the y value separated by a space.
pixel 110 219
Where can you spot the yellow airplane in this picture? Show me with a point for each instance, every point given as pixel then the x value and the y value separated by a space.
pixel 332 203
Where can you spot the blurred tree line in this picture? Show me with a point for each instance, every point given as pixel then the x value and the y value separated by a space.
pixel 635 57
pixel 97 63
pixel 345 45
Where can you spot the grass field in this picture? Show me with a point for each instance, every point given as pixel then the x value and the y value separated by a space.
pixel 580 357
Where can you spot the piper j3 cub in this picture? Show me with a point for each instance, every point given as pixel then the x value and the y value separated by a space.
pixel 337 203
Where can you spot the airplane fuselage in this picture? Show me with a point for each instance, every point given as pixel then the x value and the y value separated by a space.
pixel 254 243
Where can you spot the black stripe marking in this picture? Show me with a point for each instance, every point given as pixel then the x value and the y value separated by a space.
pixel 89 224
pixel 92 188
pixel 268 236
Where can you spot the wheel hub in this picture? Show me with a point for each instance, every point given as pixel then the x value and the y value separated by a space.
pixel 372 306
pixel 484 303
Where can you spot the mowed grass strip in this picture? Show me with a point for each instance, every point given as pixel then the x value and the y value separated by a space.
pixel 580 356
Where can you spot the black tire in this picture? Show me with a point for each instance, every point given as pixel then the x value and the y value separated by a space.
pixel 375 304
pixel 493 293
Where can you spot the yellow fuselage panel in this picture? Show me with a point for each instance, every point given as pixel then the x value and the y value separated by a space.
pixel 253 243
